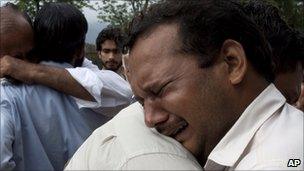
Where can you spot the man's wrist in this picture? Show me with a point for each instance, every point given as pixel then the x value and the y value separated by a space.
pixel 30 73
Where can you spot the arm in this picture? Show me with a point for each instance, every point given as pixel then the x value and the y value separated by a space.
pixel 107 87
pixel 30 73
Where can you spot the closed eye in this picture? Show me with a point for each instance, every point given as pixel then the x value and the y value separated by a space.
pixel 161 90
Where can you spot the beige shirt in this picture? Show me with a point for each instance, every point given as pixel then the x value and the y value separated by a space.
pixel 267 136
pixel 126 143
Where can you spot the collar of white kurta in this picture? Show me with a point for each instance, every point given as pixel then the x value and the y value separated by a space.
pixel 232 145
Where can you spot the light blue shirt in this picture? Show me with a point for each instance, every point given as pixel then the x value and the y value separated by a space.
pixel 40 127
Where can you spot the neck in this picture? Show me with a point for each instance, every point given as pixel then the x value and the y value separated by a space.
pixel 240 97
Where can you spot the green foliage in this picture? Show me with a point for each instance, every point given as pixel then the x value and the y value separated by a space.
pixel 293 12
pixel 120 12
pixel 32 6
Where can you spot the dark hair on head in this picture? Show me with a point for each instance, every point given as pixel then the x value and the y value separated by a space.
pixel 17 10
pixel 110 33
pixel 282 38
pixel 295 50
pixel 59 30
pixel 203 27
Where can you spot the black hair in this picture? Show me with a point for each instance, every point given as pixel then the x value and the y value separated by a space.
pixel 297 46
pixel 111 33
pixel 59 30
pixel 204 26
pixel 284 41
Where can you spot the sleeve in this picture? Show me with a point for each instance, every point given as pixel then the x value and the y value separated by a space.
pixel 7 135
pixel 160 161
pixel 107 87
pixel 89 64
pixel 89 80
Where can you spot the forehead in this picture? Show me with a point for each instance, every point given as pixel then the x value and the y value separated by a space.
pixel 161 41
pixel 156 57
pixel 109 44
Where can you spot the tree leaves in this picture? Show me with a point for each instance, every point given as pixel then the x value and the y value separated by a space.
pixel 33 6
pixel 120 12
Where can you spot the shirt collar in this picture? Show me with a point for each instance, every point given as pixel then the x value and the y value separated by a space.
pixel 232 145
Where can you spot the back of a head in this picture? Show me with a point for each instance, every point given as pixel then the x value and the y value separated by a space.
pixel 204 25
pixel 60 31
pixel 14 11
pixel 15 31
pixel 110 33
pixel 281 37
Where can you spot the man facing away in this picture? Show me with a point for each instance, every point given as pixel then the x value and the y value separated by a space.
pixel 40 127
pixel 103 91
pixel 211 91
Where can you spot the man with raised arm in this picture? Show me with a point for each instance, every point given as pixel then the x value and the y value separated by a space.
pixel 104 91
pixel 40 127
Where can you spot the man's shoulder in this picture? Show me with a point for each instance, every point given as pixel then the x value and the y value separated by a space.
pixel 12 91
pixel 23 94
pixel 135 137
pixel 278 141
pixel 21 88
pixel 126 137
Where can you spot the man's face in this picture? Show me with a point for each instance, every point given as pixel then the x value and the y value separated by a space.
pixel 110 55
pixel 289 83
pixel 180 99
pixel 16 43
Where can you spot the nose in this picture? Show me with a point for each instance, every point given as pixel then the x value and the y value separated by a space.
pixel 154 114
pixel 111 55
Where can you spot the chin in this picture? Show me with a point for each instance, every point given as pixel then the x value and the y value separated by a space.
pixel 112 69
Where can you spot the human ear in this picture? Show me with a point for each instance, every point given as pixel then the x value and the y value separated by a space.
pixel 235 58
pixel 99 54
pixel 125 62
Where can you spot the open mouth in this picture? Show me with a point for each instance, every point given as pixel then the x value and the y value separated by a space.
pixel 179 130
pixel 175 129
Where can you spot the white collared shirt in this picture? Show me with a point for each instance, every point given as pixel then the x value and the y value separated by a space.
pixel 111 92
pixel 126 143
pixel 267 136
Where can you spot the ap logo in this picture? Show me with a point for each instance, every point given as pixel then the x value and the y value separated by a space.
pixel 293 162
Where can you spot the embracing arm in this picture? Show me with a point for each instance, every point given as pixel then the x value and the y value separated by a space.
pixel 30 73
pixel 107 87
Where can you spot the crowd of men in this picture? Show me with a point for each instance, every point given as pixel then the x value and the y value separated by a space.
pixel 211 84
